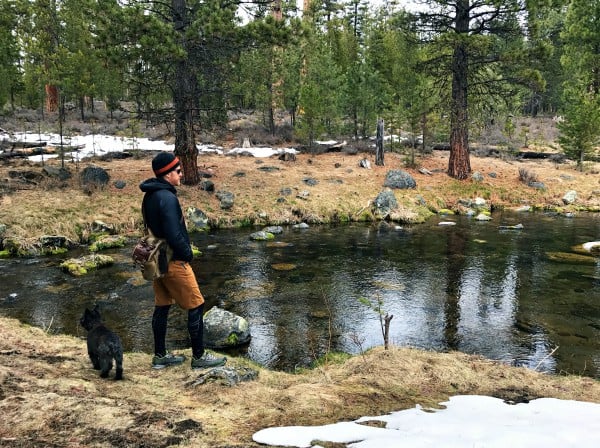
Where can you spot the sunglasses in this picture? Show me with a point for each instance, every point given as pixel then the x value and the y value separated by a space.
pixel 178 170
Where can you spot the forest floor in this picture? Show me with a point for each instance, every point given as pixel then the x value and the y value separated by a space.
pixel 50 396
pixel 33 204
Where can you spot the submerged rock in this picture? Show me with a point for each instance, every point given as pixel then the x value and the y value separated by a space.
pixel 108 242
pixel 515 227
pixel 82 265
pixel 568 257
pixel 591 247
pixel 261 235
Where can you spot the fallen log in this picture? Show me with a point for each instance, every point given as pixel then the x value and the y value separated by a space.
pixel 26 152
pixel 540 155
pixel 23 154
pixel 15 145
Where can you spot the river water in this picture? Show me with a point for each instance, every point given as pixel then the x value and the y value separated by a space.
pixel 472 287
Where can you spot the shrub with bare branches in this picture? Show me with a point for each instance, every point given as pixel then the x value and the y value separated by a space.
pixel 527 177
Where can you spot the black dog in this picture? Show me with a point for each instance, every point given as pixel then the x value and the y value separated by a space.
pixel 103 345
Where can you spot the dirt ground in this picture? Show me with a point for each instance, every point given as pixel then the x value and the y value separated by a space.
pixel 50 396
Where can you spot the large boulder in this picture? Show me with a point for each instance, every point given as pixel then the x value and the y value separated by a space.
pixel 94 176
pixel 223 329
pixel 384 204
pixel 196 220
pixel 399 179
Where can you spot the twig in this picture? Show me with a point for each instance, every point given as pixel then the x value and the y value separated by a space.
pixel 362 209
pixel 50 324
pixel 545 357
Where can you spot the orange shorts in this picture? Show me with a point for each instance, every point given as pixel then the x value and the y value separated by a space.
pixel 178 286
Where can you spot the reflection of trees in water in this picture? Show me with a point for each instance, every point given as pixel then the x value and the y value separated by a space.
pixel 469 287
pixel 455 265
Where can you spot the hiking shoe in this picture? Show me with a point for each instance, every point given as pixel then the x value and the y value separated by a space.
pixel 207 360
pixel 160 362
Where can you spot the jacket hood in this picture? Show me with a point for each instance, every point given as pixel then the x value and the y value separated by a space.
pixel 155 184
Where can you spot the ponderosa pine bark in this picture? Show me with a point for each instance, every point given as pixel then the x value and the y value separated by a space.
pixel 459 164
pixel 185 101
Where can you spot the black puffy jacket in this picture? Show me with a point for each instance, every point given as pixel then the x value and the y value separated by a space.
pixel 163 215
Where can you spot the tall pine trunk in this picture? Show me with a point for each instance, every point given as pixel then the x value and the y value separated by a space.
pixel 51 98
pixel 184 101
pixel 459 164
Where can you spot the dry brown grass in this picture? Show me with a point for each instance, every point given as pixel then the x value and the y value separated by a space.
pixel 50 396
pixel 344 191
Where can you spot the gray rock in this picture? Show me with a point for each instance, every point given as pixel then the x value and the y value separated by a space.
pixel 524 208
pixel 287 157
pixel 310 181
pixel 268 169
pixel 399 179
pixel 515 227
pixel 384 204
pixel 477 176
pixel 196 219
pixel 60 173
pixel 207 185
pixel 570 197
pixel 226 199
pixel 275 230
pixel 261 236
pixel 225 375
pixel 537 185
pixel 101 227
pixel 94 175
pixel 223 329
pixel 83 265
pixel 53 241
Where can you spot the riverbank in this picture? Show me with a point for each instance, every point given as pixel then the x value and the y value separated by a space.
pixel 324 188
pixel 50 395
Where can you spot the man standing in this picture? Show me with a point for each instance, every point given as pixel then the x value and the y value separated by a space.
pixel 162 214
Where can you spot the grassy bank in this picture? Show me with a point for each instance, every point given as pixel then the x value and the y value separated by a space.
pixel 50 396
pixel 343 192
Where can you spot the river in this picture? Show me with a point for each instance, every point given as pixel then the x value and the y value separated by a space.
pixel 506 294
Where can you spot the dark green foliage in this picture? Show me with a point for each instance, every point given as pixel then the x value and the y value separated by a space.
pixel 334 70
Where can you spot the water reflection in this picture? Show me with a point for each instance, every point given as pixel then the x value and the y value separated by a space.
pixel 469 287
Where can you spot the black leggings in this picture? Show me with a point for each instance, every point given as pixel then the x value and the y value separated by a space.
pixel 195 328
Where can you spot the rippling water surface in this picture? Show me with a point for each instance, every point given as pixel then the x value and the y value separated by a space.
pixel 471 287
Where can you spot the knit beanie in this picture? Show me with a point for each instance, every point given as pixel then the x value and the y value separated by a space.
pixel 164 163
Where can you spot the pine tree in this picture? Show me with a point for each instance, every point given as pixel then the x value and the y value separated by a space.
pixel 468 50
pixel 580 132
